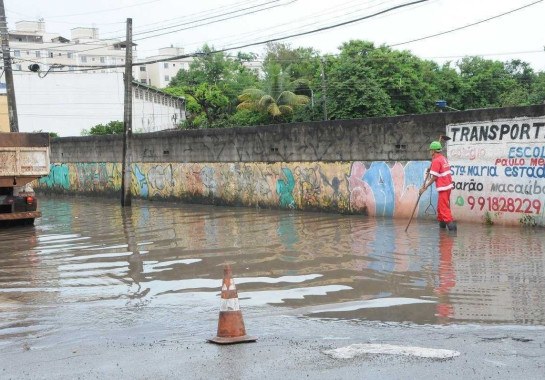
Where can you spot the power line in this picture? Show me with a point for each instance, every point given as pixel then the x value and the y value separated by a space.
pixel 188 16
pixel 234 16
pixel 105 10
pixel 465 26
pixel 63 47
pixel 287 36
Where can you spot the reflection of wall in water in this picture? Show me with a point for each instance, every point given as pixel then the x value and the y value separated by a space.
pixel 499 285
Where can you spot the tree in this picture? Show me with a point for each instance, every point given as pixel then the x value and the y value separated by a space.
pixel 113 127
pixel 537 91
pixel 353 90
pixel 279 108
pixel 211 86
pixel 484 82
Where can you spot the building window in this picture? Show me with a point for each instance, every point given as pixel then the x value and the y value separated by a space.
pixel 83 58
pixel 165 65
pixel 17 53
pixel 38 54
pixel 60 54
pixel 167 78
pixel 143 81
pixel 50 54
pixel 142 68
pixel 18 67
pixel 102 60
pixel 69 54
pixel 93 59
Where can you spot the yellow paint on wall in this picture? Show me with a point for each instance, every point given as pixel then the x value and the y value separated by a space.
pixel 4 119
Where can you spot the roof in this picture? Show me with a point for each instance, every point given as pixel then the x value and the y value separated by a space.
pixel 150 88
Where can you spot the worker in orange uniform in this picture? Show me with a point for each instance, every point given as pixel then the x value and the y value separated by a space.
pixel 439 172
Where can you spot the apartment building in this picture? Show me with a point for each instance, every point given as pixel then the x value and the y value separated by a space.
pixel 160 74
pixel 31 43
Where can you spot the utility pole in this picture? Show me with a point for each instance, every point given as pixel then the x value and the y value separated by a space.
pixel 10 88
pixel 127 121
pixel 324 87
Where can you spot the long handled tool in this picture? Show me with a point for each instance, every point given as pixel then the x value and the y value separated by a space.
pixel 414 209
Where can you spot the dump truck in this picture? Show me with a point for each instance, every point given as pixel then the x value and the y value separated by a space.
pixel 24 157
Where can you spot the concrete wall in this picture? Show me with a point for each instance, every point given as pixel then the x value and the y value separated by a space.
pixel 370 166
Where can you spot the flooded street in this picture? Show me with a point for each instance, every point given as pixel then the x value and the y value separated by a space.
pixel 90 271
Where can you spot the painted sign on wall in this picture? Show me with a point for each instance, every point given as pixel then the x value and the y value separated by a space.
pixel 499 170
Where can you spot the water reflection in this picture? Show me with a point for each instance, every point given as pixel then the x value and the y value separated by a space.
pixel 113 261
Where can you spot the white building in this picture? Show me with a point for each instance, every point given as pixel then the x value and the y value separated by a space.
pixel 67 103
pixel 31 43
pixel 65 99
pixel 161 73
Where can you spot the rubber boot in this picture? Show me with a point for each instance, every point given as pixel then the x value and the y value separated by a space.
pixel 442 225
pixel 452 226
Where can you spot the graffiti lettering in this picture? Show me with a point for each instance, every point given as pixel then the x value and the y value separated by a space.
pixel 457 170
pixel 497 132
pixel 530 189
pixel 479 171
pixel 510 161
pixel 525 172
pixel 505 204
pixel 467 152
pixel 469 186
pixel 528 152
pixel 537 161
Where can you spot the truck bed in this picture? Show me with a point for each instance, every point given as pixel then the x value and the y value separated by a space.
pixel 24 157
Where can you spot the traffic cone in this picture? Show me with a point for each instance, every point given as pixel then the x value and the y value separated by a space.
pixel 230 325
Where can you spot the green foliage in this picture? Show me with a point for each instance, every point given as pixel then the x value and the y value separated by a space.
pixel 211 86
pixel 244 117
pixel 113 127
pixel 279 108
pixel 363 80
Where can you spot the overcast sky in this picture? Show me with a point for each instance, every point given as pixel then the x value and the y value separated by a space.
pixel 518 35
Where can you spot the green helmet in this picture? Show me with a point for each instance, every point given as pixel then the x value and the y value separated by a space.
pixel 436 145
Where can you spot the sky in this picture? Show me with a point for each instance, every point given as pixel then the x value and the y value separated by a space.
pixel 518 35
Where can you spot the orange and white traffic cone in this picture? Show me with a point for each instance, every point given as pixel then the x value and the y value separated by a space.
pixel 230 325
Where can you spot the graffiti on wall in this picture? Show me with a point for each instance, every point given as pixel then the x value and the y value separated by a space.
pixel 384 189
pixel 499 170
pixel 376 189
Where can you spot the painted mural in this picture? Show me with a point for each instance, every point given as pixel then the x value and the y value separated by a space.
pixel 499 170
pixel 370 188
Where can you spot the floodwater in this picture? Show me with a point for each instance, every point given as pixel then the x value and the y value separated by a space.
pixel 90 264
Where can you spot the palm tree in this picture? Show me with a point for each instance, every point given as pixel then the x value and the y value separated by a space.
pixel 276 100
pixel 259 100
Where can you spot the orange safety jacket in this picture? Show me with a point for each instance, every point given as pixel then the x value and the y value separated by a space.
pixel 440 168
